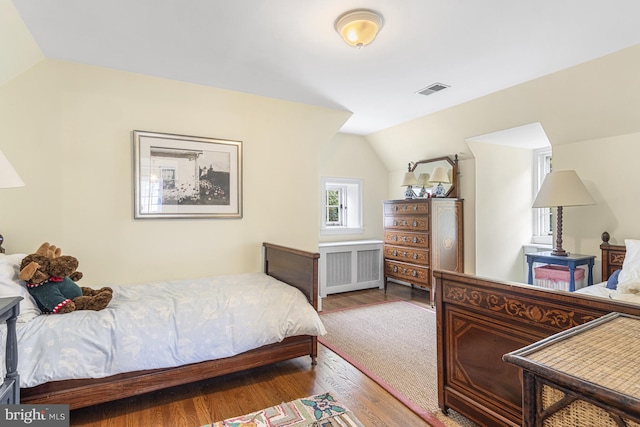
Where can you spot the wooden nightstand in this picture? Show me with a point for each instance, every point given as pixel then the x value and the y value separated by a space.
pixel 586 376
pixel 10 388
pixel 571 261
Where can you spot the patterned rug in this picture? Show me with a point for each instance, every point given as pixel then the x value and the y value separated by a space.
pixel 322 410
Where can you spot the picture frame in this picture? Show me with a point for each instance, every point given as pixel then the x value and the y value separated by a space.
pixel 179 176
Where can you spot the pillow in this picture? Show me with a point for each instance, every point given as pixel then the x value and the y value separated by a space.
pixel 631 264
pixel 11 286
pixel 612 282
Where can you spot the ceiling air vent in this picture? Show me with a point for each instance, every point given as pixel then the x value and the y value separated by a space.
pixel 436 87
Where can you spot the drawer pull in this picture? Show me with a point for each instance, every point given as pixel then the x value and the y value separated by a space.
pixel 415 207
pixel 395 208
pixel 395 268
pixel 404 271
pixel 394 253
pixel 415 256
pixel 404 223
pixel 414 273
pixel 415 240
pixel 404 254
pixel 394 238
pixel 415 223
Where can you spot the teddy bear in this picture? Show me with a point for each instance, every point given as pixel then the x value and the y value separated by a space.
pixel 50 278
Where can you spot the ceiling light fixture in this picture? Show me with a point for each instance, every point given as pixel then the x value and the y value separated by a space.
pixel 359 27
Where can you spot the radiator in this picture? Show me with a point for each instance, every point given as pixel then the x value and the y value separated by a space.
pixel 350 266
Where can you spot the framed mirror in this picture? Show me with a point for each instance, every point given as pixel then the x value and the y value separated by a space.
pixel 436 168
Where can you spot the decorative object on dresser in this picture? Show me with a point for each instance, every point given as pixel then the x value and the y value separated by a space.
pixel 562 188
pixel 568 379
pixel 439 177
pixel 424 182
pixel 409 180
pixel 421 236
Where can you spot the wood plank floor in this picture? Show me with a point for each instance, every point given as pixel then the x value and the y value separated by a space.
pixel 216 399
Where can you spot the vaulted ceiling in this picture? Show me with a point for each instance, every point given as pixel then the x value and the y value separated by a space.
pixel 289 49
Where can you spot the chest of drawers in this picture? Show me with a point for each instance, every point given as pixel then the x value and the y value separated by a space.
pixel 420 236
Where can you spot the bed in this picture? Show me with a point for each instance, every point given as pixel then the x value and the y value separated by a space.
pixel 180 340
pixel 479 320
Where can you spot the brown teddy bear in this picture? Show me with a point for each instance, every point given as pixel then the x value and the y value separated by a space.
pixel 50 278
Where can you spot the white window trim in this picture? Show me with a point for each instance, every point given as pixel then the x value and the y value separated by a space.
pixel 359 228
pixel 539 213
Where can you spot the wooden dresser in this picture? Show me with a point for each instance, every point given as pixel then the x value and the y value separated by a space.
pixel 420 236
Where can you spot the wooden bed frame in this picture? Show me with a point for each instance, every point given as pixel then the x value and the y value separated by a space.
pixel 480 320
pixel 295 267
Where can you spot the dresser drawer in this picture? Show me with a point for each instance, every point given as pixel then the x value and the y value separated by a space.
pixel 415 240
pixel 407 272
pixel 405 208
pixel 407 254
pixel 407 222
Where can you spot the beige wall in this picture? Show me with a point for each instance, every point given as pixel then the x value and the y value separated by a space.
pixel 66 128
pixel 351 156
pixel 503 209
pixel 590 115
pixel 608 168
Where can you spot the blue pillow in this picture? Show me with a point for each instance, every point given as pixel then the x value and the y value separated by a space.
pixel 612 283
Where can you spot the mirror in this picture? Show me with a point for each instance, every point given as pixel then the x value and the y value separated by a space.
pixel 429 167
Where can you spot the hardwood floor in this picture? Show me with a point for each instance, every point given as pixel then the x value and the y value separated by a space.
pixel 236 394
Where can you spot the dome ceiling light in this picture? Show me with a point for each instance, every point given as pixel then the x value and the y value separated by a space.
pixel 359 27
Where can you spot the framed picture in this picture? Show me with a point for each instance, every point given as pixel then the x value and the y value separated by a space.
pixel 179 176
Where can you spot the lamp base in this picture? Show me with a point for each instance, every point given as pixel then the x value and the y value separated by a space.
pixel 439 192
pixel 559 252
pixel 409 193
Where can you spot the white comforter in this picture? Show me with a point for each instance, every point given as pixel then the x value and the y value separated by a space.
pixel 162 325
pixel 601 290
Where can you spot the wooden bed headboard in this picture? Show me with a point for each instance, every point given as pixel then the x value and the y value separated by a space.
pixel 612 257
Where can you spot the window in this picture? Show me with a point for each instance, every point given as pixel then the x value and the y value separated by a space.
pixel 542 217
pixel 341 206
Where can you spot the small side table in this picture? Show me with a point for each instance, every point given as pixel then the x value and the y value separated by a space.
pixel 571 261
pixel 584 376
pixel 10 388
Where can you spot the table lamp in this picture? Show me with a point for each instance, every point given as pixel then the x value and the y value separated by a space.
pixel 439 176
pixel 559 189
pixel 424 182
pixel 9 178
pixel 409 181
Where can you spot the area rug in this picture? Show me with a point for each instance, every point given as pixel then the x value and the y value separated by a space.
pixel 322 410
pixel 393 343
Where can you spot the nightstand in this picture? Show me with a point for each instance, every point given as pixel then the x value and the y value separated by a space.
pixel 10 388
pixel 585 376
pixel 571 261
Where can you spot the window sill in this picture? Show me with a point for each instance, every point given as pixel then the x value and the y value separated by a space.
pixel 340 231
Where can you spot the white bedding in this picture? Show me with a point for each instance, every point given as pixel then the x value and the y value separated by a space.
pixel 163 325
pixel 601 290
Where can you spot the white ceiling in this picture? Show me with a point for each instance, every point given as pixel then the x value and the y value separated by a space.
pixel 288 49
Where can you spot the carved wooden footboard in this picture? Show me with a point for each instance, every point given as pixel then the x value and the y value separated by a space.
pixel 479 320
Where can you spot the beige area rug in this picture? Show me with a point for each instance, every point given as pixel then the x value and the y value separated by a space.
pixel 393 343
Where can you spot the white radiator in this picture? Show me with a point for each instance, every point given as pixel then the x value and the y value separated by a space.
pixel 350 266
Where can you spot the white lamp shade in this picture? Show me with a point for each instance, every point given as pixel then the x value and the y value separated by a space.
pixel 562 188
pixel 440 175
pixel 409 179
pixel 424 180
pixel 8 176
